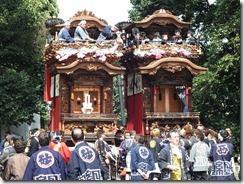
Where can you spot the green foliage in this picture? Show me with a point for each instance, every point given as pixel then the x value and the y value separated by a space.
pixel 217 94
pixel 18 98
pixel 22 32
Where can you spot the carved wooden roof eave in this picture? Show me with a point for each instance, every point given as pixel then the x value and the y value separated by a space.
pixel 91 22
pixel 172 64
pixel 86 15
pixel 162 18
pixel 93 65
pixel 91 19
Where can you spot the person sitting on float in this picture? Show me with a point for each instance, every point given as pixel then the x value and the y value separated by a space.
pixel 157 39
pixel 108 33
pixel 190 39
pixel 165 39
pixel 177 37
pixel 81 33
pixel 143 38
pixel 64 35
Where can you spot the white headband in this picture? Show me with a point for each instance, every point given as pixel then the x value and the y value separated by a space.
pixel 36 133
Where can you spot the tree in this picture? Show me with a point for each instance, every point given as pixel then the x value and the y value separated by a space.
pixel 23 34
pixel 18 98
pixel 217 94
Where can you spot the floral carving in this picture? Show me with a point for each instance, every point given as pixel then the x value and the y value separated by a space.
pixel 61 54
pixel 160 52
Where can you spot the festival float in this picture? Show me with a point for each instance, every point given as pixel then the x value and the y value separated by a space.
pixel 158 78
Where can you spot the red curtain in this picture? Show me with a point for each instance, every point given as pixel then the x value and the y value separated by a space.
pixel 55 114
pixel 135 113
pixel 46 96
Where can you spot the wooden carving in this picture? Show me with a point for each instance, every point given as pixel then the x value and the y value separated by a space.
pixel 173 68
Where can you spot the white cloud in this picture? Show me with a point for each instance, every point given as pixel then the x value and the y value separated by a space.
pixel 113 11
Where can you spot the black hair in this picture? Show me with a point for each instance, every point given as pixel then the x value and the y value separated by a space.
pixel 7 132
pixel 44 138
pixel 100 133
pixel 34 130
pixel 171 132
pixel 140 138
pixel 123 34
pixel 59 132
pixel 119 132
pixel 200 135
pixel 206 132
pixel 143 33
pixel 16 137
pixel 224 134
pixel 135 31
pixel 177 30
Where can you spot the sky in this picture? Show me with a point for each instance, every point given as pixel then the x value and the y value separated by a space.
pixel 113 11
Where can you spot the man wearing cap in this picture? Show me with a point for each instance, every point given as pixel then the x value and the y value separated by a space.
pixel 81 32
pixel 64 34
pixel 221 155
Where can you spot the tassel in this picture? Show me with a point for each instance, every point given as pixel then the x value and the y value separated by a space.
pixel 56 37
pixel 72 96
pixel 154 90
pixel 147 128
pixel 105 96
pixel 187 90
pixel 78 100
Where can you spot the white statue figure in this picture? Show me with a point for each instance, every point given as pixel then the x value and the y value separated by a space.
pixel 87 105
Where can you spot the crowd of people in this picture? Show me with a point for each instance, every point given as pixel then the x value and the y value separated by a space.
pixel 114 33
pixel 183 153
pixel 169 153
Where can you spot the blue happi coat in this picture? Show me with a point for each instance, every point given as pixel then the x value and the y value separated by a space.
pixel 141 158
pixel 45 164
pixel 220 155
pixel 84 163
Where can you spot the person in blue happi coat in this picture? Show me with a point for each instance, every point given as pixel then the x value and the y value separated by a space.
pixel 84 162
pixel 45 164
pixel 221 155
pixel 142 162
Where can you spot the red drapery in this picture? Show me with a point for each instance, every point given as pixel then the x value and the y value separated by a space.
pixel 134 107
pixel 46 96
pixel 55 114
